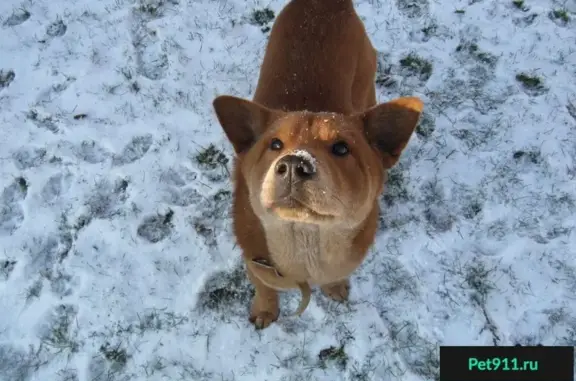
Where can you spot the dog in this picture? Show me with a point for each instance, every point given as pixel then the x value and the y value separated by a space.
pixel 312 150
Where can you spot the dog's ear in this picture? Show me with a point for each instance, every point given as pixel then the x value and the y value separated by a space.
pixel 243 121
pixel 388 126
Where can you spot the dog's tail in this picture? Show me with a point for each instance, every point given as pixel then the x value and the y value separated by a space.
pixel 268 275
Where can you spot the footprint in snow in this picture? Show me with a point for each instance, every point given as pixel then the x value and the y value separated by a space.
pixel 413 8
pixel 151 61
pixel 56 29
pixel 107 199
pixel 46 252
pixel 225 293
pixel 43 120
pixel 156 228
pixel 68 375
pixel 133 151
pixel 6 78
pixel 15 364
pixel 56 329
pixel 28 157
pixel 91 152
pixel 11 212
pixel 6 268
pixel 182 197
pixel 51 93
pixel 16 191
pixel 18 17
pixel 61 283
pixel 55 186
pixel 88 151
pixel 176 192
pixel 177 177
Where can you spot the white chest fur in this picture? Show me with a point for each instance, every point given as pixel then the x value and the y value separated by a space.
pixel 311 253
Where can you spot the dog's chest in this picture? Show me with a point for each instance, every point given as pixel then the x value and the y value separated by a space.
pixel 309 254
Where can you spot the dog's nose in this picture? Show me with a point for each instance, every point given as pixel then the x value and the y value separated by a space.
pixel 295 167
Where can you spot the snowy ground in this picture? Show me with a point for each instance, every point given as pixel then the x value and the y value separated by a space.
pixel 117 260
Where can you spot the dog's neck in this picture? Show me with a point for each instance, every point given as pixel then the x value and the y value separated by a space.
pixel 309 252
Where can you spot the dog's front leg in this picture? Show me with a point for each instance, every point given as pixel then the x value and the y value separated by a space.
pixel 264 310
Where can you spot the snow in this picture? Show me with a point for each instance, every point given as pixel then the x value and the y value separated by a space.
pixel 305 155
pixel 117 260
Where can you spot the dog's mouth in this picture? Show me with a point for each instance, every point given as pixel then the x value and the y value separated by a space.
pixel 292 209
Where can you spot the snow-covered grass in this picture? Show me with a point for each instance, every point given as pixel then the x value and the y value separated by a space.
pixel 117 260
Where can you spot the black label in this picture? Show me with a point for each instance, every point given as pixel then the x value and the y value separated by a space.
pixel 507 363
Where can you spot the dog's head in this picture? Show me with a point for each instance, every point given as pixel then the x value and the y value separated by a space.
pixel 319 168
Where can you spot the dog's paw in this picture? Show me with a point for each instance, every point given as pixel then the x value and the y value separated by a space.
pixel 264 310
pixel 262 319
pixel 337 291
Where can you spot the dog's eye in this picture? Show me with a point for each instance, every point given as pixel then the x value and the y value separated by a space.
pixel 276 144
pixel 340 149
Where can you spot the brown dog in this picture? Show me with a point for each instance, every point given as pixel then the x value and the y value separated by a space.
pixel 312 152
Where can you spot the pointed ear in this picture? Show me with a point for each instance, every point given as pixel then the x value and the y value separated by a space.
pixel 388 126
pixel 243 121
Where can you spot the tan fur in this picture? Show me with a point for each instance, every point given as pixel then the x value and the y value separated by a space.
pixel 315 92
pixel 273 279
